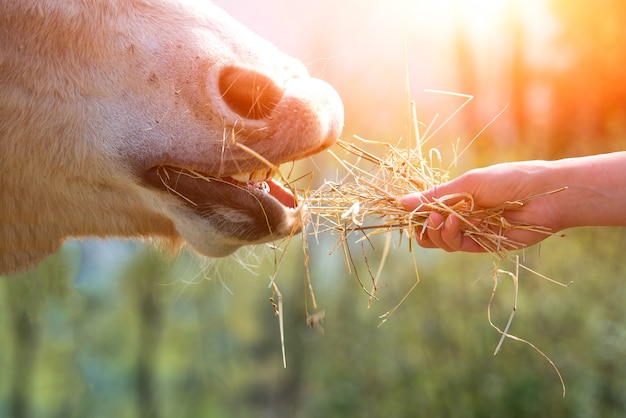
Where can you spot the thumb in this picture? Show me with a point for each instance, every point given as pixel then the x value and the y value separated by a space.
pixel 414 200
pixel 452 192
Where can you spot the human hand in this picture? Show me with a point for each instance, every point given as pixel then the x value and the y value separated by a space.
pixel 491 187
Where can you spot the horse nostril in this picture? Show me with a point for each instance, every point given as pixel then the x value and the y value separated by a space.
pixel 248 93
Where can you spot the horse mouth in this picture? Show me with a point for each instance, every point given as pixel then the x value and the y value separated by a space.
pixel 251 207
pixel 194 186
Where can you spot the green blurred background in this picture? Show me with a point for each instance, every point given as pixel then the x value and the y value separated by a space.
pixel 124 329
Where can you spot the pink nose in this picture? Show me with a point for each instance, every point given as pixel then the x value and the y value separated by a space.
pixel 248 93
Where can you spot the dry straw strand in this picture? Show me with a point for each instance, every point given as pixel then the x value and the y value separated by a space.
pixel 366 202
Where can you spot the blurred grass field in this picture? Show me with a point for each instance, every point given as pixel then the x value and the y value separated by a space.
pixel 183 339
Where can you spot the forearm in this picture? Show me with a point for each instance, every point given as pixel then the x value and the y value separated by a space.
pixel 590 191
pixel 596 190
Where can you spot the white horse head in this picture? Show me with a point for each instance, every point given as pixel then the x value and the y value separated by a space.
pixel 127 118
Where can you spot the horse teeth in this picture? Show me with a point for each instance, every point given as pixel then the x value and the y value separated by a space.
pixel 254 177
pixel 242 177
pixel 260 175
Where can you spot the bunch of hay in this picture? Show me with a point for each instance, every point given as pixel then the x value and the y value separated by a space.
pixel 367 199
pixel 366 202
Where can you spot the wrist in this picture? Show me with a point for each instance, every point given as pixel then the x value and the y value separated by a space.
pixel 595 193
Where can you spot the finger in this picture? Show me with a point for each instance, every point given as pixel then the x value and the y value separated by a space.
pixel 455 238
pixel 421 237
pixel 451 233
pixel 470 246
pixel 434 229
pixel 413 201
pixel 446 233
